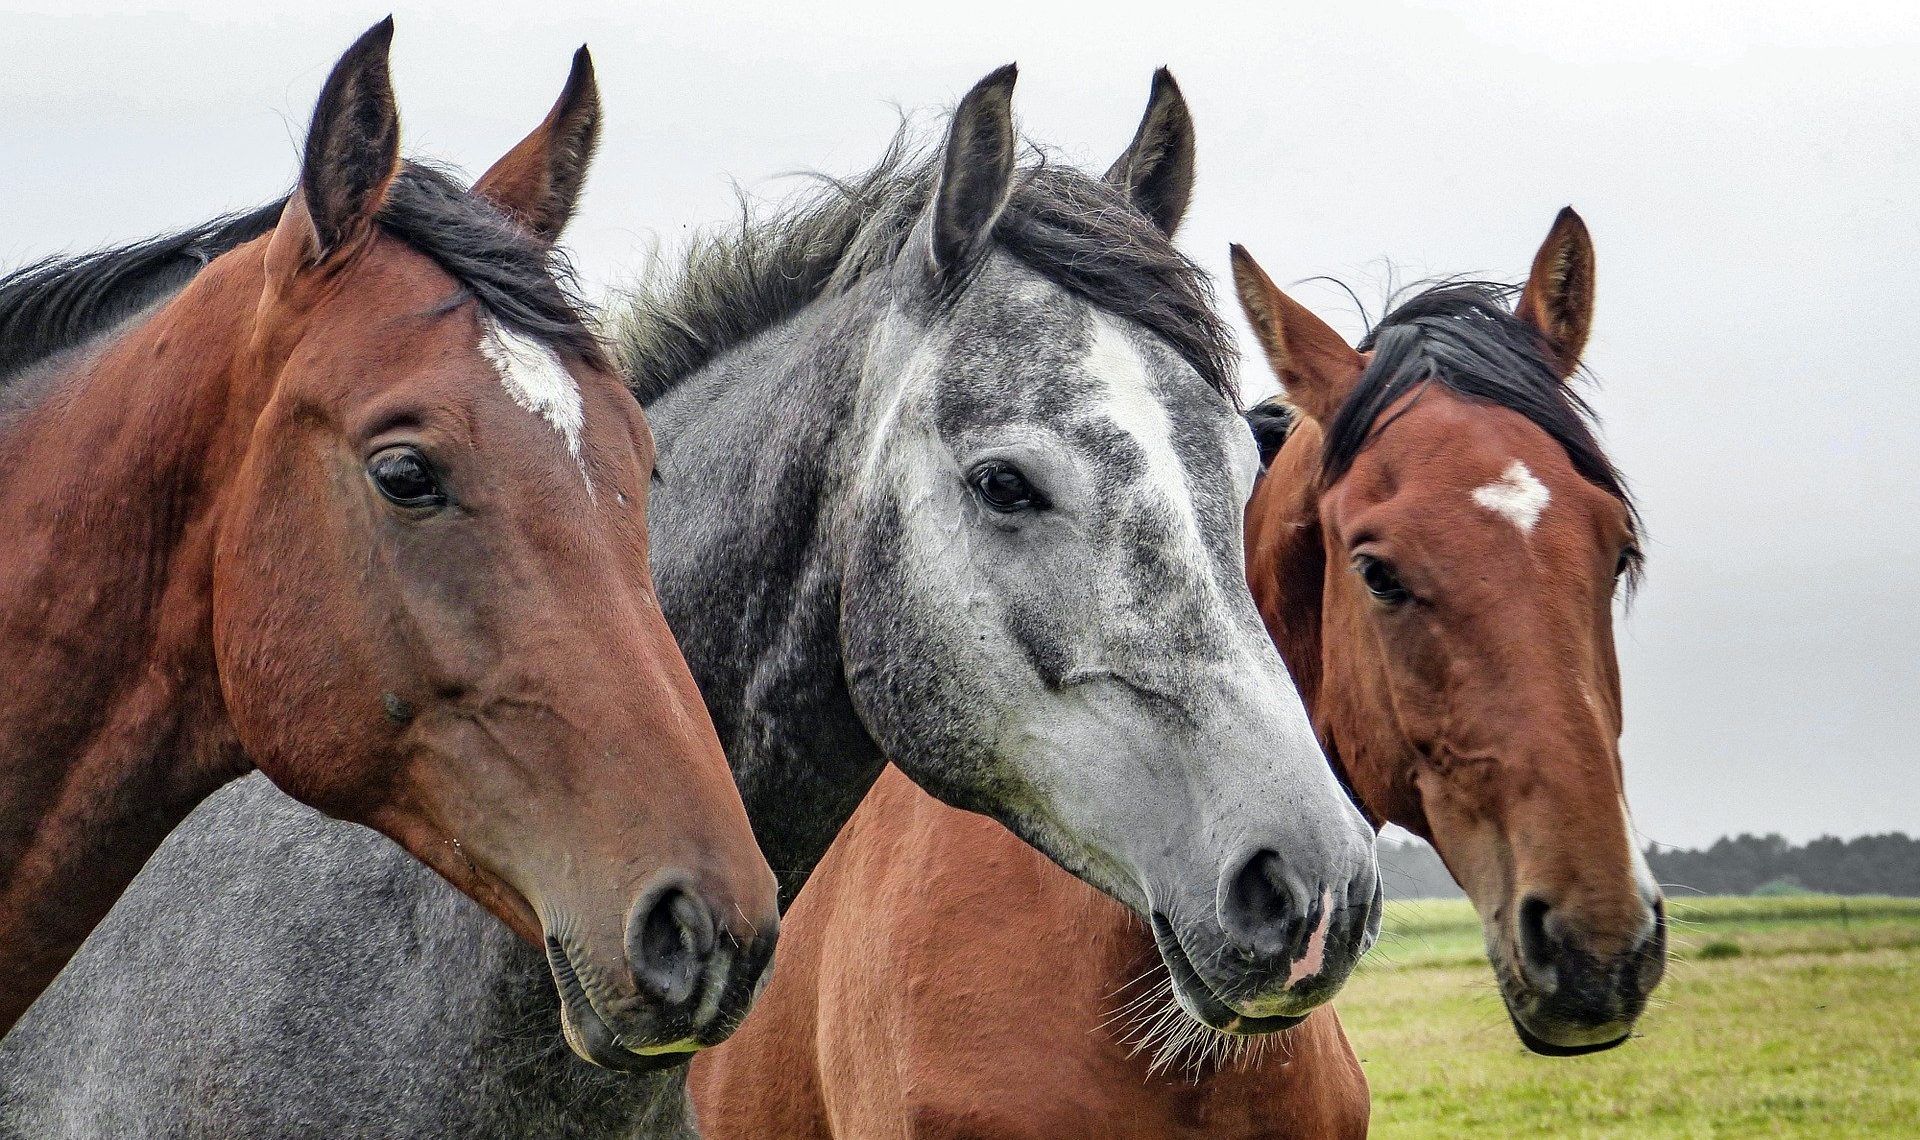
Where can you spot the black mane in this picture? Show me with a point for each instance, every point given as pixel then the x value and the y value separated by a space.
pixel 62 303
pixel 1074 229
pixel 1464 335
pixel 57 304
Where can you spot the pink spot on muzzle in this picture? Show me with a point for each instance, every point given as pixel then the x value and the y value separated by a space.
pixel 1308 963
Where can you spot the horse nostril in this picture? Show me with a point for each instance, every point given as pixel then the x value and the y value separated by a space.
pixel 1260 911
pixel 1539 952
pixel 669 940
pixel 1649 960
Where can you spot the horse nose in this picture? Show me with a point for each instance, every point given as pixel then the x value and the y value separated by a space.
pixel 670 940
pixel 1557 964
pixel 1260 908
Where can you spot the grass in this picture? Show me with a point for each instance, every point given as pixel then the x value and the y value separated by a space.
pixel 1793 1016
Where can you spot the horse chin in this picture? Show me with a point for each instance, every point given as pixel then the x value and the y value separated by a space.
pixel 1546 1036
pixel 592 1039
pixel 1545 1048
pixel 1198 1000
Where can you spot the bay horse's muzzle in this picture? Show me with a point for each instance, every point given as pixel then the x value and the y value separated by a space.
pixel 694 977
pixel 1573 1001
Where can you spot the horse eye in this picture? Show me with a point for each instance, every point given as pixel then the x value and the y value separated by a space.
pixel 1380 580
pixel 404 477
pixel 1002 487
pixel 1628 559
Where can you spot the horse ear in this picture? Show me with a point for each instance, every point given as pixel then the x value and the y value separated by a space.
pixel 1558 299
pixel 1313 363
pixel 353 146
pixel 1156 170
pixel 538 182
pixel 976 174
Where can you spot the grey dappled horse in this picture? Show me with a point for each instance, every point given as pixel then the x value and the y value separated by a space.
pixel 949 474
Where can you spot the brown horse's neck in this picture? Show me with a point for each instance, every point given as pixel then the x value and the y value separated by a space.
pixel 1285 560
pixel 113 726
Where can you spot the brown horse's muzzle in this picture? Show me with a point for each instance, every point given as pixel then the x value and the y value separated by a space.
pixel 692 975
pixel 1564 998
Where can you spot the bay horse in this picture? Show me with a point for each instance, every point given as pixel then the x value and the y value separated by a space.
pixel 363 505
pixel 1435 548
pixel 951 473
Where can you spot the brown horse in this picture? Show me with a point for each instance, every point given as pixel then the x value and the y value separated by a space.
pixel 363 505
pixel 1435 548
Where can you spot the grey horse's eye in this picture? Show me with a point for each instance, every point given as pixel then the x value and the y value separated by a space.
pixel 1003 488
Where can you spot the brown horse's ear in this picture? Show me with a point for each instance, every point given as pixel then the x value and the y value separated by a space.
pixel 1558 299
pixel 353 147
pixel 1313 363
pixel 1156 171
pixel 976 175
pixel 538 182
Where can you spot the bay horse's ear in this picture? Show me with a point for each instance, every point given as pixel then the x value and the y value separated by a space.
pixel 1558 299
pixel 538 182
pixel 976 174
pixel 1313 363
pixel 353 146
pixel 1156 171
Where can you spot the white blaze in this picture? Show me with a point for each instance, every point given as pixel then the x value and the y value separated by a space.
pixel 1516 496
pixel 1135 409
pixel 538 381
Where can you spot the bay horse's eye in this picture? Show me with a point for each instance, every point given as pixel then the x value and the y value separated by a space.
pixel 1380 579
pixel 405 478
pixel 1001 487
pixel 1629 558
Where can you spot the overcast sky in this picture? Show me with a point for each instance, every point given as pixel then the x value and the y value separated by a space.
pixel 1749 170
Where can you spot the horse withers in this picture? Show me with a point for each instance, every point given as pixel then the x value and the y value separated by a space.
pixel 364 505
pixel 1440 580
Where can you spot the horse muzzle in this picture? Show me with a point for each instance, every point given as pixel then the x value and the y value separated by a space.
pixel 1565 1001
pixel 690 981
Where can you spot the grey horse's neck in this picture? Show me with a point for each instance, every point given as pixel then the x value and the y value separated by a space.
pixel 752 451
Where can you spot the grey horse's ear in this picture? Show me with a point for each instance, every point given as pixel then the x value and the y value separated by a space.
pixel 976 174
pixel 1156 170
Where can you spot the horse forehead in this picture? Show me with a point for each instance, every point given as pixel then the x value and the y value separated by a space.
pixel 1146 391
pixel 536 379
pixel 1445 463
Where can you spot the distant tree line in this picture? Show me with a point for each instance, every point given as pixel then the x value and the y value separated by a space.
pixel 1870 865
pixel 1742 865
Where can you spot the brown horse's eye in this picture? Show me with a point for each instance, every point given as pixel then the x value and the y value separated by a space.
pixel 1380 579
pixel 1629 558
pixel 405 479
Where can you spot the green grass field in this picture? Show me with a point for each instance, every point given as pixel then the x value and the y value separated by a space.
pixel 1778 1017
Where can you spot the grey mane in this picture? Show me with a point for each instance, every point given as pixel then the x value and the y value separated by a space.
pixel 1075 230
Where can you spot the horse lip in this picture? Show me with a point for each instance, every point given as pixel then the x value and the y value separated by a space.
pixel 1197 998
pixel 589 1035
pixel 1545 1048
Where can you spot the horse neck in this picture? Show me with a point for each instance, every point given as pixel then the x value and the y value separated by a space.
pixel 1287 568
pixel 752 448
pixel 1286 560
pixel 113 727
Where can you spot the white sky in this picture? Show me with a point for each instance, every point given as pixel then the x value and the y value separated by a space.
pixel 1748 169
